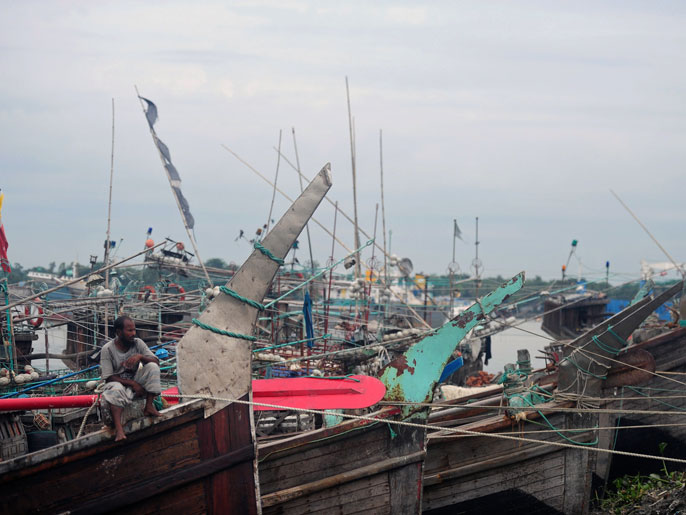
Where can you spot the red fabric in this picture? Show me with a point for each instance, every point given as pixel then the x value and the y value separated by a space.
pixel 4 261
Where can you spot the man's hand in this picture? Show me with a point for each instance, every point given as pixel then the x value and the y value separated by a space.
pixel 138 389
pixel 132 362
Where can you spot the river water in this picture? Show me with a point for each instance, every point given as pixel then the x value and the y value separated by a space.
pixel 504 345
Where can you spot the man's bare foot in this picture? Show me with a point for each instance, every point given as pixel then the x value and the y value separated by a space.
pixel 120 436
pixel 152 412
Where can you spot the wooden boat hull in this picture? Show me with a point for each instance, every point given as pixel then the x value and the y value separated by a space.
pixel 354 467
pixel 668 351
pixel 183 463
pixel 482 474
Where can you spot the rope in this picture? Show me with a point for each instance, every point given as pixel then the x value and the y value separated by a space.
pixel 268 253
pixel 348 377
pixel 574 430
pixel 216 330
pixel 238 296
pixel 647 396
pixel 547 408
pixel 604 347
pixel 619 338
pixel 588 372
pixel 99 391
pixel 594 442
pixel 426 426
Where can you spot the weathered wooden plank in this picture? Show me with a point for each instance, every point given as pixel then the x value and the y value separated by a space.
pixel 128 495
pixel 228 429
pixel 488 463
pixel 156 455
pixel 290 445
pixel 345 477
pixel 95 444
pixel 578 466
pixel 502 479
pixel 277 473
pixel 526 476
pixel 189 500
pixel 364 494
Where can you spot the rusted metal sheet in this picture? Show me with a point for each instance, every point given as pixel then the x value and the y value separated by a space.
pixel 218 365
pixel 413 376
pixel 604 342
pixel 637 367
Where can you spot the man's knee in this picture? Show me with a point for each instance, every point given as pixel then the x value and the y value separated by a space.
pixel 152 368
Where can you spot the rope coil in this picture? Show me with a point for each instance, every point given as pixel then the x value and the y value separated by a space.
pixel 216 330
pixel 238 296
pixel 258 246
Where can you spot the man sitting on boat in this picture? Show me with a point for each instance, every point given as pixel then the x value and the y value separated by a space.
pixel 130 370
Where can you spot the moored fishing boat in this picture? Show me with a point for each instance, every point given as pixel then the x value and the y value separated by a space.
pixel 537 457
pixel 370 465
pixel 198 457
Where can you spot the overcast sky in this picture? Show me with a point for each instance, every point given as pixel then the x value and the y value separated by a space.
pixel 523 113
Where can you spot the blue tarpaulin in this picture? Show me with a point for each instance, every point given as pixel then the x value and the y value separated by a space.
pixel 307 314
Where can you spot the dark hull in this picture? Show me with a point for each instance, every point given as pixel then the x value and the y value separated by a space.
pixel 474 474
pixel 355 467
pixel 670 357
pixel 183 463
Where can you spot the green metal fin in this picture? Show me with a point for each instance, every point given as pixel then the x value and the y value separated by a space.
pixel 643 291
pixel 413 376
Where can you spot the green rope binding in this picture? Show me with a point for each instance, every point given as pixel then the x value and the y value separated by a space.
pixel 619 338
pixel 604 347
pixel 561 435
pixel 221 331
pixel 588 372
pixel 637 390
pixel 238 296
pixel 268 253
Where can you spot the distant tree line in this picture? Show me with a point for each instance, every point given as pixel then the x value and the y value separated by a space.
pixel 438 285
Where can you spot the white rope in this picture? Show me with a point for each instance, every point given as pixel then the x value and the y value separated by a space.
pixel 99 389
pixel 426 426
pixel 571 430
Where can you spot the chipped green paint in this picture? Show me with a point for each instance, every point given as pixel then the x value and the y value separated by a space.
pixel 413 376
pixel 643 291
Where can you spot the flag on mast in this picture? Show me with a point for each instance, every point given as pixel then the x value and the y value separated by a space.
pixel 172 173
pixel 4 261
pixel 457 233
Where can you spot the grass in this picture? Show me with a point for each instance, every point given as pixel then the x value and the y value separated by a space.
pixel 634 490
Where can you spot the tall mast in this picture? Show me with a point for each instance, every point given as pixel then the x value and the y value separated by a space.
pixel 107 238
pixel 276 178
pixel 352 157
pixel 477 263
pixel 302 188
pixel 383 210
